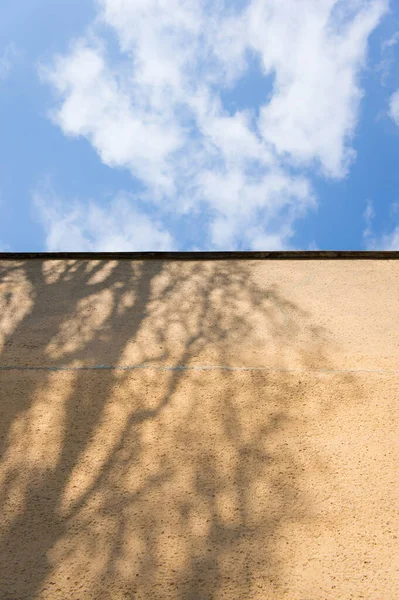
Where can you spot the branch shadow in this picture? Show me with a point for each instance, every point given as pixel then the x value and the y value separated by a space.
pixel 165 481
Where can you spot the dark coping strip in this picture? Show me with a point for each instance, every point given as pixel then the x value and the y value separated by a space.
pixel 237 255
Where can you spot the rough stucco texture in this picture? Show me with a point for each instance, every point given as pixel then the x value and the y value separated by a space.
pixel 273 477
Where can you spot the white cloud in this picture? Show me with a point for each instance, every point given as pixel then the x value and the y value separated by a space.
pixel 391 42
pixel 7 58
pixel 157 110
pixel 390 241
pixel 385 241
pixel 88 227
pixel 316 56
pixel 387 57
pixel 394 107
pixel 368 217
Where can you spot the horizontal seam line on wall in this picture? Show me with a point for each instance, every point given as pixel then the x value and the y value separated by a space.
pixel 188 368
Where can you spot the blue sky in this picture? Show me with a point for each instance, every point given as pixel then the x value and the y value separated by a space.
pixel 171 124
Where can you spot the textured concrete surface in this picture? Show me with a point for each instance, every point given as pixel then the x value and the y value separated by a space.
pixel 243 444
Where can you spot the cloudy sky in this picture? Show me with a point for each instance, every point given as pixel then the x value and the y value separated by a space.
pixel 199 124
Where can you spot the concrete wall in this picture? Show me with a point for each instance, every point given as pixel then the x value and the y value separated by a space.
pixel 247 448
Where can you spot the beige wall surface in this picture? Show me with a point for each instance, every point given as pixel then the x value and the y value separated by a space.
pixel 199 430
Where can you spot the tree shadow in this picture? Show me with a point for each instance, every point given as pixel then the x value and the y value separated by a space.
pixel 169 480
